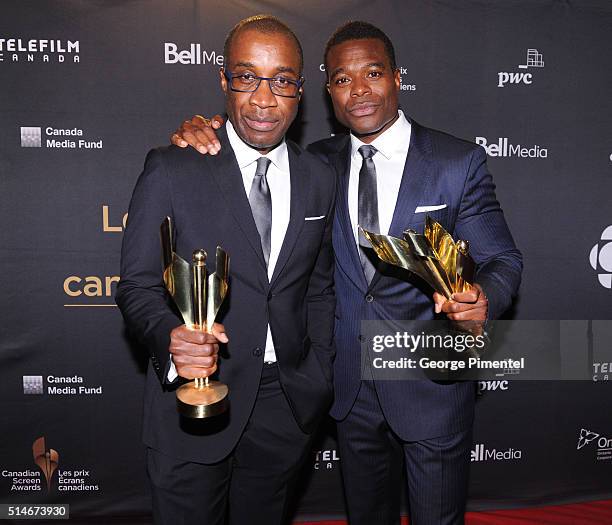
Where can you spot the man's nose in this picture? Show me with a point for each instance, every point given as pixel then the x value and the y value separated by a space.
pixel 263 97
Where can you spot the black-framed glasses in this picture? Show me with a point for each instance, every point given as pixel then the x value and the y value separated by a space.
pixel 279 85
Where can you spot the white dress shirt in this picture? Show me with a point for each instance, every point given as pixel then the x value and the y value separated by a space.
pixel 279 182
pixel 392 146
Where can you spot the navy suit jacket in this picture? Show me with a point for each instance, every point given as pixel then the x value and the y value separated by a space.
pixel 205 196
pixel 439 169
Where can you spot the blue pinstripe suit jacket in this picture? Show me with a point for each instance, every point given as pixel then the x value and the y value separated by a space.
pixel 439 169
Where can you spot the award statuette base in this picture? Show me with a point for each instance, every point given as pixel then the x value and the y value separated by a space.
pixel 199 400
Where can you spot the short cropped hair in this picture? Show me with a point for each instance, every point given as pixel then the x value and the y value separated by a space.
pixel 360 31
pixel 265 24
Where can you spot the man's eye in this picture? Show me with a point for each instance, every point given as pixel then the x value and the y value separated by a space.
pixel 341 81
pixel 282 82
pixel 375 74
pixel 246 77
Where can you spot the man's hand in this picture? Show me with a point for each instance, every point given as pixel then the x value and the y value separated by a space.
pixel 464 308
pixel 194 353
pixel 199 133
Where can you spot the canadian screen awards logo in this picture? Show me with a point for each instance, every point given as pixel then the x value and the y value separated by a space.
pixel 53 477
pixel 39 50
pixel 601 258
pixel 603 450
pixel 534 60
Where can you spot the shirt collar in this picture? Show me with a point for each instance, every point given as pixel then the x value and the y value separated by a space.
pixel 391 142
pixel 246 155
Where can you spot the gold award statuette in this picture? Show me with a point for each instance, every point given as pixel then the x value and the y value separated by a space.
pixel 434 256
pixel 198 298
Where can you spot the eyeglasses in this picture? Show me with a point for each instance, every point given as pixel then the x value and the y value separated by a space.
pixel 249 83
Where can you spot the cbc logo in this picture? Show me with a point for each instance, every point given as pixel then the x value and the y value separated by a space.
pixel 601 258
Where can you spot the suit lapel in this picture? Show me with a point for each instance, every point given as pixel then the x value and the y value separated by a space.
pixel 416 176
pixel 229 180
pixel 299 196
pixel 341 162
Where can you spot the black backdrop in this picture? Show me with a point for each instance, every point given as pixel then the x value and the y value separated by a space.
pixel 88 87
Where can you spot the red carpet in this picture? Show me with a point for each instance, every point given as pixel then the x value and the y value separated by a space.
pixel 591 513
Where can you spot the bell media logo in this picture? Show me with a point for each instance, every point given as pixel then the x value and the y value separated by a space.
pixel 534 60
pixel 601 258
pixel 480 453
pixel 193 55
pixel 504 148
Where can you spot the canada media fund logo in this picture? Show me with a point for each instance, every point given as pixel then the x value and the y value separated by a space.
pixel 57 138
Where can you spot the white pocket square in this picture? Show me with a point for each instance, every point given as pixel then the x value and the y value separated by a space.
pixel 421 209
pixel 318 217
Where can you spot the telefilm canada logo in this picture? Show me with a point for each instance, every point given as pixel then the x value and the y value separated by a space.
pixel 523 76
pixel 481 453
pixel 502 147
pixel 601 258
pixel 57 138
pixel 59 386
pixel 39 50
pixel 192 54
pixel 48 476
pixel 326 459
pixel 587 439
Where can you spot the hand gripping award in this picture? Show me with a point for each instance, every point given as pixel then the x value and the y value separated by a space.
pixel 434 256
pixel 198 299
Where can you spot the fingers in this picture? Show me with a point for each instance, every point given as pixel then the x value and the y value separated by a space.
pixel 465 306
pixel 439 300
pixel 218 331
pixel 194 353
pixel 217 121
pixel 475 314
pixel 177 140
pixel 203 131
pixel 467 297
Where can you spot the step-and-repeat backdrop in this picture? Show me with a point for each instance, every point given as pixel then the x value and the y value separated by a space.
pixel 87 88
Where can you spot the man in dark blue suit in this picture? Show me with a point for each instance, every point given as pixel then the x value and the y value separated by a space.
pixel 391 173
pixel 270 205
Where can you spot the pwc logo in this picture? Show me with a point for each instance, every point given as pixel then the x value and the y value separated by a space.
pixel 534 60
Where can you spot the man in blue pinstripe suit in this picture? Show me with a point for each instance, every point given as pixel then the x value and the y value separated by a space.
pixel 391 173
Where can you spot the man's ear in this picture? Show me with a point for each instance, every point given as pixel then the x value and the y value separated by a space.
pixel 397 78
pixel 224 85
pixel 327 87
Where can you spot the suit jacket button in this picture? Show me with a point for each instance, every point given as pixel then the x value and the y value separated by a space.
pixel 369 298
pixel 257 352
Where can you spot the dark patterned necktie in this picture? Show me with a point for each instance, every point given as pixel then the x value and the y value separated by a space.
pixel 367 205
pixel 261 206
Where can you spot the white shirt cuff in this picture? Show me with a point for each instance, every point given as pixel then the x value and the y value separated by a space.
pixel 172 373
